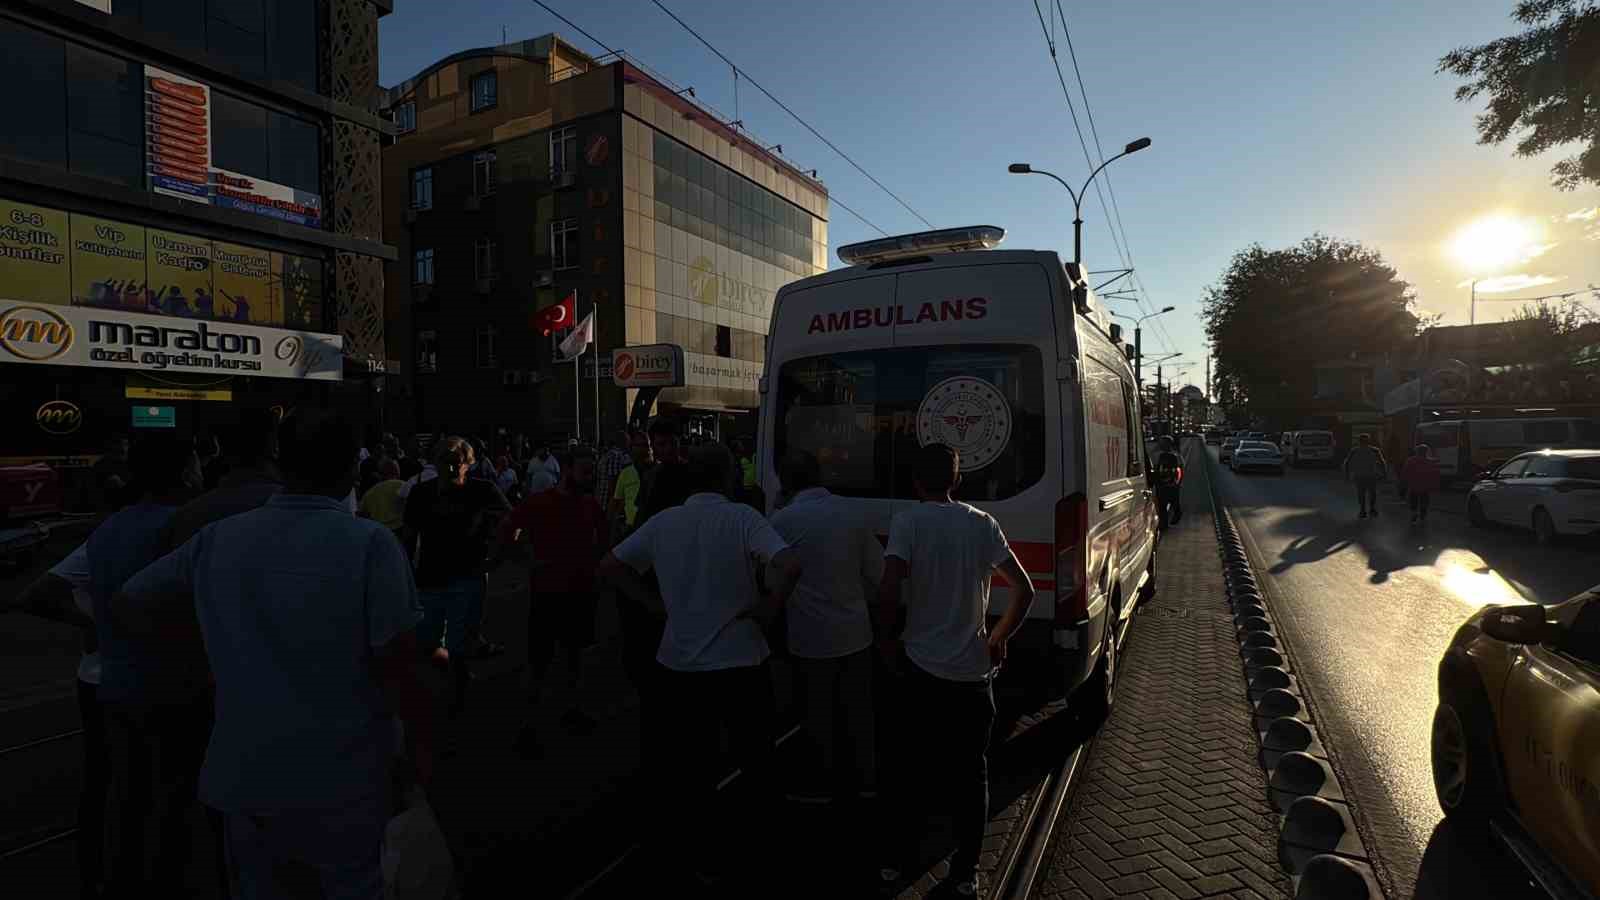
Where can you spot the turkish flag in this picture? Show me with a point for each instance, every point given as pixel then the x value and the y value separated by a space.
pixel 559 317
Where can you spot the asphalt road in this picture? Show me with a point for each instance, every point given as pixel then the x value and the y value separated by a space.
pixel 1366 608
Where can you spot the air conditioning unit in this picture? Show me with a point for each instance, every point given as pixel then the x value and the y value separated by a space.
pixel 411 215
pixel 563 179
pixel 485 285
pixel 473 203
pixel 545 278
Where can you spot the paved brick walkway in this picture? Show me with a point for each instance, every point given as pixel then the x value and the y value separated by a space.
pixel 1174 803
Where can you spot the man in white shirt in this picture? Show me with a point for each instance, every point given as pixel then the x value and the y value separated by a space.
pixel 948 551
pixel 830 627
pixel 706 555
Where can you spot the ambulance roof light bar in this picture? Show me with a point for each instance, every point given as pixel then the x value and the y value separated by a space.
pixel 945 240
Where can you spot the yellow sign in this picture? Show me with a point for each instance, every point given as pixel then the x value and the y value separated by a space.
pixel 33 253
pixel 34 333
pixel 179 268
pixel 58 417
pixel 108 265
pixel 248 284
pixel 172 393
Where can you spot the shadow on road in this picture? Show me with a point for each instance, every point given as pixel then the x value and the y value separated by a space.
pixel 1456 866
pixel 1386 550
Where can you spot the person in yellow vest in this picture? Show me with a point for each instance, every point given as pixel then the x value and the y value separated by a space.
pixel 624 503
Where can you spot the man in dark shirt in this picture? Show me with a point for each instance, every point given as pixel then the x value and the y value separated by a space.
pixel 567 533
pixel 449 521
pixel 667 484
pixel 1169 482
pixel 252 477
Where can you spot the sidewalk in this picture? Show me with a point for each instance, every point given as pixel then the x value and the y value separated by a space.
pixel 1174 802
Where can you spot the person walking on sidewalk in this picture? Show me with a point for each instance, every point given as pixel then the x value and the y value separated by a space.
pixel 1169 483
pixel 948 552
pixel 706 554
pixel 1365 466
pixel 568 535
pixel 449 522
pixel 1421 477
pixel 830 626
pixel 313 650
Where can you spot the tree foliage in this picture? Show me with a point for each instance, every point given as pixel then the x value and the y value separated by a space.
pixel 1543 83
pixel 1276 313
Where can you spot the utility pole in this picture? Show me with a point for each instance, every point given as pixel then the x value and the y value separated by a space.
pixel 1138 354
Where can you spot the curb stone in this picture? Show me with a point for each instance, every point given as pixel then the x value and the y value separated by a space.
pixel 1318 844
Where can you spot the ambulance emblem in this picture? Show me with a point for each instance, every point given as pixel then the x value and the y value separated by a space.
pixel 969 414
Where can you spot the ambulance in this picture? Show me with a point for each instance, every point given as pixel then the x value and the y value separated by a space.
pixel 1007 356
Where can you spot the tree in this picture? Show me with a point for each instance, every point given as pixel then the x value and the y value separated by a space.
pixel 1544 83
pixel 1276 313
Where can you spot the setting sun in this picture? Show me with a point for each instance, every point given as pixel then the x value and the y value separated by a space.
pixel 1494 241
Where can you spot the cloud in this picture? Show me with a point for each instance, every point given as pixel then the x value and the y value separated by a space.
pixel 1584 215
pixel 1507 283
pixel 1536 250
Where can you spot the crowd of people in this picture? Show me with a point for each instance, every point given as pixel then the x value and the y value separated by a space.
pixel 281 635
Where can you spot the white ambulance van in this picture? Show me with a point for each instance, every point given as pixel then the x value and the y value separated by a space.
pixel 1007 356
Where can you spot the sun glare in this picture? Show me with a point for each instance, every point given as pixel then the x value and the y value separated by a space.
pixel 1492 242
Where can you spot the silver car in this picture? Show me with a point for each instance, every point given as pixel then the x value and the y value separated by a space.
pixel 1553 492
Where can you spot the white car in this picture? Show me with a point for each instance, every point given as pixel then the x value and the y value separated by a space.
pixel 1553 492
pixel 1228 445
pixel 1251 455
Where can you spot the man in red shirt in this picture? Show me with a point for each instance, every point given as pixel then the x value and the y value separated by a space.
pixel 566 531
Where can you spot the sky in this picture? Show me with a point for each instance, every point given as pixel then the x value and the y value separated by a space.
pixel 1270 121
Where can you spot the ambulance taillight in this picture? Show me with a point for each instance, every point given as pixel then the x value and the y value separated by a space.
pixel 1071 546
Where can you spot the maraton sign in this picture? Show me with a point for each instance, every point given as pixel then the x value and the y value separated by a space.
pixel 103 338
pixel 58 417
pixel 897 314
pixel 650 365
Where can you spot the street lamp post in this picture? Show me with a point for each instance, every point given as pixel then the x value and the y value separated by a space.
pixel 1077 196
pixel 1138 339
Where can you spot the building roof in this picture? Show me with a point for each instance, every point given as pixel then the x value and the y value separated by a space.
pixel 533 49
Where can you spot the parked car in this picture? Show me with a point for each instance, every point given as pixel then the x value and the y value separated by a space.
pixel 1213 435
pixel 1256 455
pixel 1553 492
pixel 1228 444
pixel 1516 736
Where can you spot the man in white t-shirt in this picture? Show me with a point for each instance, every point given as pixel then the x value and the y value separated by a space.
pixel 830 626
pixel 948 551
pixel 706 555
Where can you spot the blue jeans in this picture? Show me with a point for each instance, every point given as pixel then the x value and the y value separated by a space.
pixel 450 613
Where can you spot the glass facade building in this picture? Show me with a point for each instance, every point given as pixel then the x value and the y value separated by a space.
pixel 712 229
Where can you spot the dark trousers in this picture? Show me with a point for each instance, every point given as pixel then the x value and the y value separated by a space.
pixel 839 704
pixel 96 789
pixel 562 619
pixel 1367 493
pixel 948 723
pixel 700 707
pixel 1171 505
pixel 156 750
pixel 641 638
pixel 1420 500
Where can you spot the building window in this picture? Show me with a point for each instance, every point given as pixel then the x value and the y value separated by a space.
pixel 261 38
pixel 563 150
pixel 485 342
pixel 35 125
pixel 484 170
pixel 405 116
pixel 422 269
pixel 105 116
pixel 485 91
pixel 724 341
pixel 486 259
pixel 427 351
pixel 262 143
pixel 422 188
pixel 564 243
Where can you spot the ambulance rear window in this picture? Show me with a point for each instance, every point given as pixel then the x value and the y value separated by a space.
pixel 864 414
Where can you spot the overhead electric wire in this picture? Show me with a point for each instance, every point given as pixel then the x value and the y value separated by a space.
pixel 815 133
pixel 832 199
pixel 1114 221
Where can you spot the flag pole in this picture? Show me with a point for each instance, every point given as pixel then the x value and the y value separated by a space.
pixel 595 339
